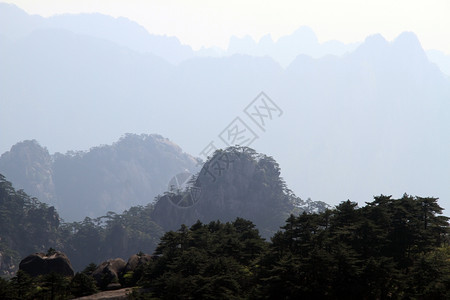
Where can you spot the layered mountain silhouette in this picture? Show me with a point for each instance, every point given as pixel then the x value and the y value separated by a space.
pixel 114 177
pixel 235 182
pixel 371 120
pixel 287 48
pixel 16 24
pixel 441 60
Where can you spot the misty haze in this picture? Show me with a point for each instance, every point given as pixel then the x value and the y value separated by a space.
pixel 135 165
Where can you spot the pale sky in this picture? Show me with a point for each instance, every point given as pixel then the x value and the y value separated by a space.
pixel 211 23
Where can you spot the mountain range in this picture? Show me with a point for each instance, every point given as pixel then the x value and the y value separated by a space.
pixel 369 119
pixel 130 172
pixel 234 183
pixel 16 24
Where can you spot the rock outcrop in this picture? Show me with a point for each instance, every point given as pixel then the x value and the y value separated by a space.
pixel 108 272
pixel 136 261
pixel 234 182
pixel 41 264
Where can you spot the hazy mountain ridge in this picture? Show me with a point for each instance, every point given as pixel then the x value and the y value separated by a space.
pixel 441 60
pixel 358 124
pixel 31 167
pixel 130 172
pixel 287 48
pixel 17 24
pixel 124 32
pixel 249 187
pixel 234 182
pixel 29 226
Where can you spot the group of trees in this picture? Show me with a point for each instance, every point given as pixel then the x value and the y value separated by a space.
pixel 110 236
pixel 387 249
pixel 25 224
pixel 28 225
pixel 236 181
pixel 217 260
pixel 51 286
pixel 131 171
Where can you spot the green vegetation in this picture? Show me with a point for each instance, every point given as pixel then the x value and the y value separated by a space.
pixel 28 225
pixel 114 177
pixel 234 182
pixel 387 249
pixel 206 261
pixel 50 286
pixel 249 186
pixel 113 235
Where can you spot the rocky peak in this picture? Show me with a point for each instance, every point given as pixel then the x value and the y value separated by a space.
pixel 234 182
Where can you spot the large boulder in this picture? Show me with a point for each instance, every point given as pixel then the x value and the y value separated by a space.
pixel 134 269
pixel 108 272
pixel 136 261
pixel 41 264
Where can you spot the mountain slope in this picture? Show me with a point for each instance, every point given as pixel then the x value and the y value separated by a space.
pixel 26 226
pixel 29 226
pixel 235 182
pixel 16 24
pixel 374 119
pixel 441 60
pixel 130 172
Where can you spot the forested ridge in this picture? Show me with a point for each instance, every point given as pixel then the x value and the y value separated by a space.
pixel 129 172
pixel 250 187
pixel 234 182
pixel 387 249
pixel 28 225
pixel 383 249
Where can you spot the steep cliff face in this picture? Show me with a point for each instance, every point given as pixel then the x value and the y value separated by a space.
pixel 113 177
pixel 235 182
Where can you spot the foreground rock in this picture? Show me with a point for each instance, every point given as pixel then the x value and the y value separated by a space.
pixel 109 295
pixel 108 272
pixel 41 264
pixel 137 260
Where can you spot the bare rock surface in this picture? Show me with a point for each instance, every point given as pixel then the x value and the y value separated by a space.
pixel 40 264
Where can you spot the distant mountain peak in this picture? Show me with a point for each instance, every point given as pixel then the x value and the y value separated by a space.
pixel 306 34
pixel 408 42
pixel 376 40
pixel 373 45
pixel 16 24
pixel 406 47
pixel 27 148
pixel 234 182
pixel 408 38
pixel 131 171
